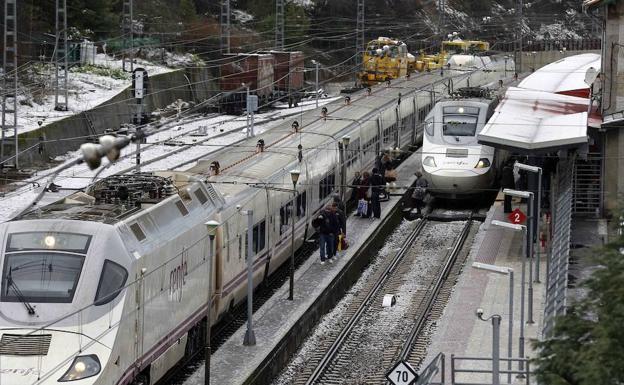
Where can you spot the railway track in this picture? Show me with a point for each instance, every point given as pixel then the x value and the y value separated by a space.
pixel 369 339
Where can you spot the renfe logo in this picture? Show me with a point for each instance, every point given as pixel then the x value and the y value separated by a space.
pixel 177 279
pixel 20 371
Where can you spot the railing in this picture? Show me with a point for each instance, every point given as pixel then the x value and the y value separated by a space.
pixel 435 369
pixel 476 361
pixel 588 185
pixel 551 45
pixel 557 270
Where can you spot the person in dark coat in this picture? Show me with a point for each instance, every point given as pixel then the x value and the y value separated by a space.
pixel 327 223
pixel 420 192
pixel 341 228
pixel 507 181
pixel 355 184
pixel 362 193
pixel 377 186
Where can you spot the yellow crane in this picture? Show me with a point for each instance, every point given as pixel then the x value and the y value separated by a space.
pixel 450 47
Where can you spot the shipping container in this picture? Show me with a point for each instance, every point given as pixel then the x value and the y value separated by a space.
pixel 253 70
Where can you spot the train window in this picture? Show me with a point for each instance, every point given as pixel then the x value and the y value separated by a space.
pixel 201 196
pixel 326 185
pixel 112 281
pixel 301 205
pixel 259 233
pixel 182 208
pixel 137 231
pixel 285 213
pixel 429 127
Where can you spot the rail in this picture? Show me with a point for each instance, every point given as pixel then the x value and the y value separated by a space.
pixel 455 370
pixel 331 353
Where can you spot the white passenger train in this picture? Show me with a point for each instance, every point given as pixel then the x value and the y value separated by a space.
pixel 110 285
pixel 453 162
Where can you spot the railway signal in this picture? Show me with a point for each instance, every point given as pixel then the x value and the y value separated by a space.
pixel 517 217
pixel 402 374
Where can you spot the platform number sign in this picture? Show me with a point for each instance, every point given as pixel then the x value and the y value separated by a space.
pixel 402 374
pixel 517 217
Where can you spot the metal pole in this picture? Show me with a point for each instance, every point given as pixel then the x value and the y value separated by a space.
pixel 208 314
pixel 247 108
pixel 530 257
pixel 342 170
pixel 496 321
pixel 511 319
pixel 317 83
pixel 537 223
pixel 252 123
pixel 291 292
pixel 250 337
pixel 522 287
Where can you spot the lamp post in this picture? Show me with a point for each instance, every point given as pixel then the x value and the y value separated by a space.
pixel 521 228
pixel 528 242
pixel 538 171
pixel 496 321
pixel 294 176
pixel 211 226
pixel 250 337
pixel 316 89
pixel 504 271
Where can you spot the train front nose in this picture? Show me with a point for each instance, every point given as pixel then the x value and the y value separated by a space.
pixel 49 357
pixel 455 183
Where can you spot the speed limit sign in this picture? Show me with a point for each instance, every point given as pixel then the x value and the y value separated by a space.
pixel 402 374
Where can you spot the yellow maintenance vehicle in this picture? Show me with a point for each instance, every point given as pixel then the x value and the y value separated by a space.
pixel 385 59
pixel 450 47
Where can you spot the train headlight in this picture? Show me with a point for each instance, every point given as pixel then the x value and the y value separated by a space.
pixel 483 163
pixel 429 161
pixel 82 367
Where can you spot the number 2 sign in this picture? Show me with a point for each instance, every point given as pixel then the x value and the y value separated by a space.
pixel 517 217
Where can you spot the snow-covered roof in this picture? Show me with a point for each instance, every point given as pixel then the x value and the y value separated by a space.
pixel 537 120
pixel 565 76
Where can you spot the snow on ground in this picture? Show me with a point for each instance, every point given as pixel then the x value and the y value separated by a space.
pixel 88 87
pixel 79 176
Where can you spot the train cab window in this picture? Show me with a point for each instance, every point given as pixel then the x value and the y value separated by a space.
pixel 40 276
pixel 460 121
pixel 112 281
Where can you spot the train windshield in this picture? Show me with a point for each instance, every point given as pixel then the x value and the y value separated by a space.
pixel 460 121
pixel 43 266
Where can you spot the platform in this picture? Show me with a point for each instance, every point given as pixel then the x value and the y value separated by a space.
pixel 460 332
pixel 234 363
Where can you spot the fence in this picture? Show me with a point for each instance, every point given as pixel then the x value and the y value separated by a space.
pixel 551 45
pixel 557 266
pixel 480 367
pixel 588 186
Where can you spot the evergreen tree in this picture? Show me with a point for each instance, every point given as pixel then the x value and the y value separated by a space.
pixel 587 346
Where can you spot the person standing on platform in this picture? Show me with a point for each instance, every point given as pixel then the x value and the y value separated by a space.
pixel 341 225
pixel 325 223
pixel 363 196
pixel 507 181
pixel 355 184
pixel 420 192
pixel 377 185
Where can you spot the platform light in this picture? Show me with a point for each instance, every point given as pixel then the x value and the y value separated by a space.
pixel 507 225
pixel 294 176
pixel 460 110
pixel 517 193
pixel 346 140
pixel 526 167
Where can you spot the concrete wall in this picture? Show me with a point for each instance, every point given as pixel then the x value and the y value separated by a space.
pixel 68 134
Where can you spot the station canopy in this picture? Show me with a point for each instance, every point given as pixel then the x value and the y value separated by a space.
pixel 547 111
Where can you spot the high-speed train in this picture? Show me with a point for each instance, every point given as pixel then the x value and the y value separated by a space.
pixel 453 162
pixel 111 285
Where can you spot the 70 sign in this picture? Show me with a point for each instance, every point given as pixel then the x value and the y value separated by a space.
pixel 402 374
